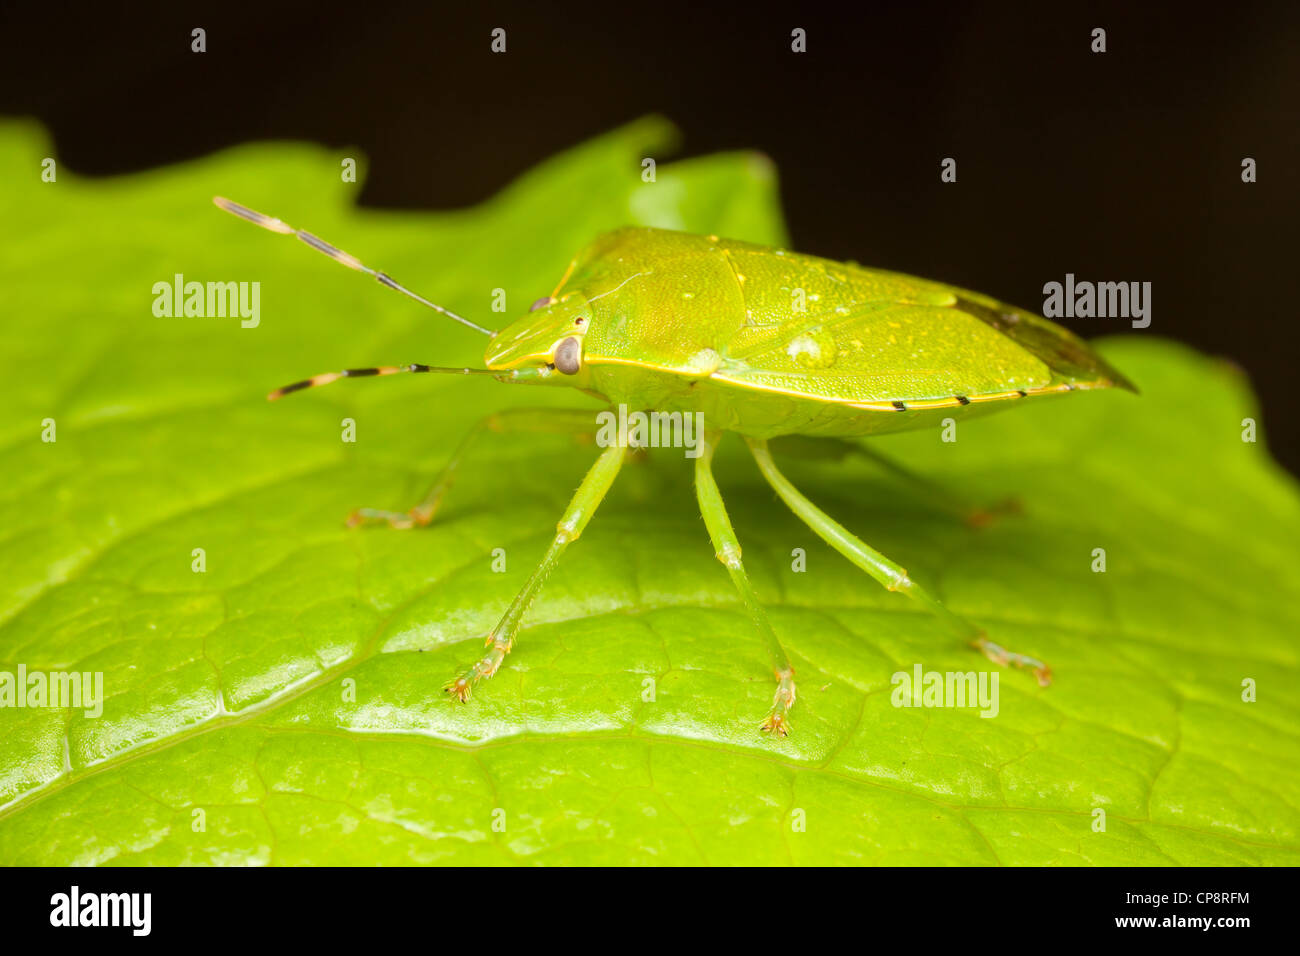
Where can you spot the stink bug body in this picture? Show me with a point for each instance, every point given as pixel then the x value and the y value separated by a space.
pixel 765 343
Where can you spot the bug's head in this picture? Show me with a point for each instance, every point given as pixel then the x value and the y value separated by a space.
pixel 550 335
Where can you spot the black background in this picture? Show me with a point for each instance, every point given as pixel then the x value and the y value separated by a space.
pixel 1124 166
pixel 936 905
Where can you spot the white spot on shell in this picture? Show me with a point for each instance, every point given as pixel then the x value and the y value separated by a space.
pixel 704 362
pixel 813 349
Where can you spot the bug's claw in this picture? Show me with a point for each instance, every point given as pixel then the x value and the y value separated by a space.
pixel 460 688
pixel 776 724
pixel 1001 656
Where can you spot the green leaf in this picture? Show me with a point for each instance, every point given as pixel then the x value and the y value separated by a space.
pixel 292 691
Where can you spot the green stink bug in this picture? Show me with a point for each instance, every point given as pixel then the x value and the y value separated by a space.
pixel 762 342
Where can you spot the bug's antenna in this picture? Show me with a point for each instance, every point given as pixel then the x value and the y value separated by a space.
pixel 326 377
pixel 339 256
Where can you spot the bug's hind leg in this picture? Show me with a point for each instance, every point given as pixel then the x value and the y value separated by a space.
pixel 515 420
pixel 951 501
pixel 727 549
pixel 955 503
pixel 581 507
pixel 890 574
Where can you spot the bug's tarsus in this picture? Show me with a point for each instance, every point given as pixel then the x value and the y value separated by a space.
pixel 1003 657
pixel 986 517
pixel 326 377
pixel 339 256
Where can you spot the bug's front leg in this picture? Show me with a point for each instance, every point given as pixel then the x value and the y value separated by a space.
pixel 890 574
pixel 582 506
pixel 514 420
pixel 727 548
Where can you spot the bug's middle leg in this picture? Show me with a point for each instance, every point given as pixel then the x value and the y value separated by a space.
pixel 510 421
pixel 890 574
pixel 727 548
pixel 581 507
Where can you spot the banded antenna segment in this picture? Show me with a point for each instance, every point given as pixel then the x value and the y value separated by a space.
pixel 339 256
pixel 326 378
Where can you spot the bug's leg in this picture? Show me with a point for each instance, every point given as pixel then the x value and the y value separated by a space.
pixel 727 549
pixel 581 507
pixel 977 516
pixel 890 574
pixel 516 420
pixel 948 499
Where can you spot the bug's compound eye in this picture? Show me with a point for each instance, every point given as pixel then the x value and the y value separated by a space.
pixel 541 303
pixel 568 356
